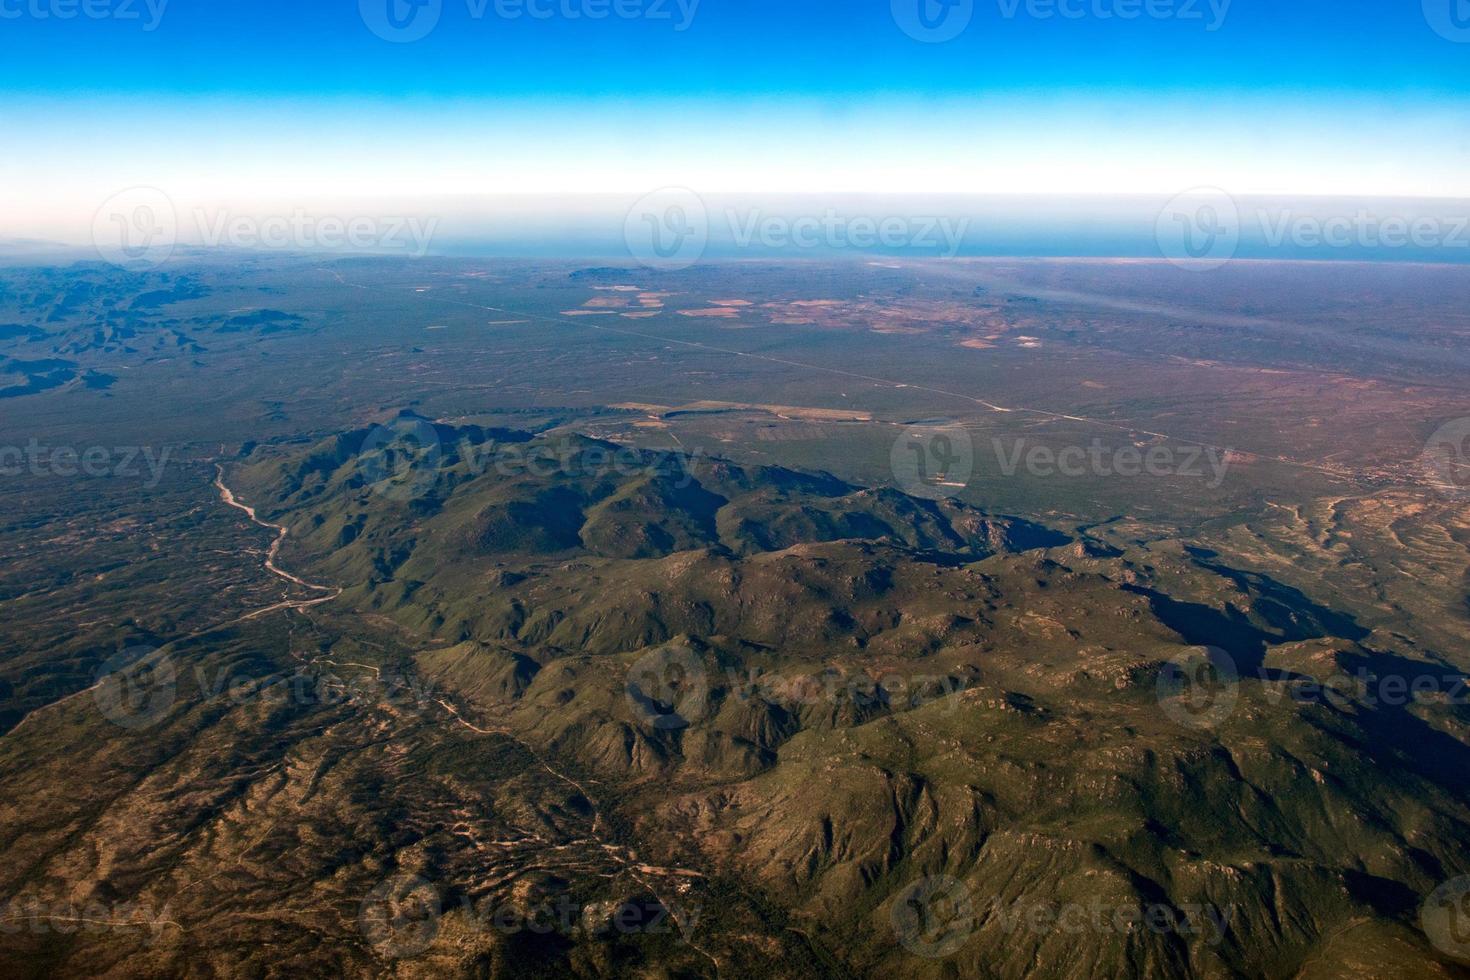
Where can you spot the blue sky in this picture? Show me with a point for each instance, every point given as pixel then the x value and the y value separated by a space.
pixel 298 101
pixel 836 48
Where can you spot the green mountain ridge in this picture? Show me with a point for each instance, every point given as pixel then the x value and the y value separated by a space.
pixel 879 689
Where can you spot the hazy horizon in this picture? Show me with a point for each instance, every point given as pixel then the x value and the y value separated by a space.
pixel 796 225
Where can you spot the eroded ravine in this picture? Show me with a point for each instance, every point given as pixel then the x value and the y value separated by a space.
pixel 228 496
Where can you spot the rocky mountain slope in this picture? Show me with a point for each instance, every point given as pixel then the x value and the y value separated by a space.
pixel 828 693
pixel 744 722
